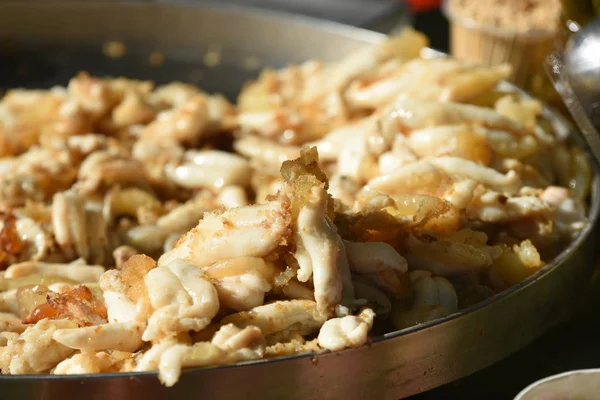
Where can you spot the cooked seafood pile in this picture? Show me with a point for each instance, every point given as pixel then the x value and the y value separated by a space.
pixel 162 228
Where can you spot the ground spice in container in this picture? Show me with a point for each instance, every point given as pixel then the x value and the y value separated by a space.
pixel 520 32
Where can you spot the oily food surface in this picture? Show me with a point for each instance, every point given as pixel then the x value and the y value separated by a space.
pixel 157 228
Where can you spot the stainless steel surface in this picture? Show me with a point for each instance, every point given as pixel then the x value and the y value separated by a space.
pixel 582 55
pixel 582 67
pixel 48 43
pixel 575 74
pixel 52 40
pixel 556 69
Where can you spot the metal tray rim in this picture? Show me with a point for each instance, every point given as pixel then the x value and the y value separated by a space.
pixel 555 118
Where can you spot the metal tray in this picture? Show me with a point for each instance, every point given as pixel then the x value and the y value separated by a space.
pixel 54 40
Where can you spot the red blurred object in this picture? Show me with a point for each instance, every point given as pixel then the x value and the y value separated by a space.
pixel 423 5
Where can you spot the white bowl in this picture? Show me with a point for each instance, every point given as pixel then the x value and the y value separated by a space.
pixel 573 385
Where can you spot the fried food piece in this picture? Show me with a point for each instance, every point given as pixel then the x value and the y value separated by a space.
pixel 182 298
pixel 77 304
pixel 301 315
pixel 195 119
pixel 124 290
pixel 457 253
pixel 35 351
pixel 108 168
pixel 388 219
pixel 150 238
pixel 407 114
pixel 90 362
pixel 120 336
pixel 219 235
pixel 379 263
pixel 229 344
pixel 515 263
pixel 210 169
pixel 351 331
pixel 319 251
pixel 424 177
pixel 434 297
pixel 242 282
pixel 11 244
pixel 24 114
pixel 439 79
pixel 430 191
pixel 11 323
pixel 77 271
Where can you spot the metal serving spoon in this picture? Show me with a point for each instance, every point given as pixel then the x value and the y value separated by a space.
pixel 576 77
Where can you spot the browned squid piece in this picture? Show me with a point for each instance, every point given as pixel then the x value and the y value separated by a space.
pixel 319 249
pixel 449 254
pixel 377 231
pixel 515 263
pixel 409 113
pixel 34 351
pixel 11 244
pixel 192 121
pixel 27 285
pixel 433 297
pixel 77 304
pixel 436 79
pixel 92 362
pixel 159 230
pixel 35 176
pixel 228 345
pixel 109 104
pixel 382 218
pixel 80 230
pixel 24 115
pixel 156 157
pixel 32 116
pixel 237 250
pixel 111 167
pixel 25 234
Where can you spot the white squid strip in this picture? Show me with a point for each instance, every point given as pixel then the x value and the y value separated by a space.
pixel 210 168
pixel 321 250
pixel 280 315
pixel 183 300
pixel 122 336
pixel 455 166
pixel 267 152
pixel 410 113
pixel 253 231
pixel 350 331
pixel 75 271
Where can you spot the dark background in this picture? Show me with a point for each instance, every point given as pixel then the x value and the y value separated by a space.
pixel 435 26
